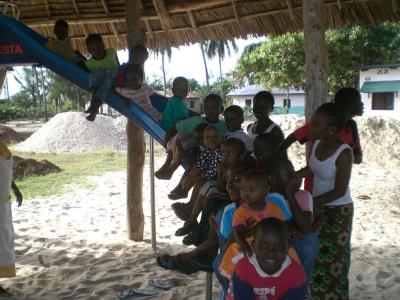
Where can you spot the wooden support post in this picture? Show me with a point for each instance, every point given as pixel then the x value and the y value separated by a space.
pixel 135 135
pixel 316 55
pixel 3 75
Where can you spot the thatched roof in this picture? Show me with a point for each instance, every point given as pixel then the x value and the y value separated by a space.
pixel 182 22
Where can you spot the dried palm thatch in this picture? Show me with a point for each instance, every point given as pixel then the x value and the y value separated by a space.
pixel 181 22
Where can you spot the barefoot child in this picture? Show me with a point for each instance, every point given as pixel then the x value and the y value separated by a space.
pixel 7 255
pixel 263 105
pixel 255 207
pixel 175 111
pixel 103 66
pixel 330 163
pixel 137 91
pixel 233 116
pixel 271 273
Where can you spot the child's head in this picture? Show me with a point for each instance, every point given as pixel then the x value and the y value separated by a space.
pixel 264 146
pixel 263 105
pixel 233 151
pixel 134 76
pixel 212 106
pixel 233 180
pixel 254 187
pixel 138 54
pixel 212 140
pixel 327 120
pixel 279 171
pixel 349 99
pixel 198 133
pixel 61 29
pixel 180 87
pixel 233 116
pixel 270 244
pixel 95 46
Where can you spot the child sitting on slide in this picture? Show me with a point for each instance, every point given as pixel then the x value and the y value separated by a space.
pixel 103 66
pixel 137 91
pixel 175 111
pixel 62 45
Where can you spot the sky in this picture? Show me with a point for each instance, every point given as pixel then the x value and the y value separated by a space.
pixel 185 61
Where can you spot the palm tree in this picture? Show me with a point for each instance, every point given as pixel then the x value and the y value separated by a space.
pixel 220 48
pixel 163 52
pixel 203 47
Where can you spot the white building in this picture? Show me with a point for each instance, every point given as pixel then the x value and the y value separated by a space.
pixel 380 86
pixel 294 103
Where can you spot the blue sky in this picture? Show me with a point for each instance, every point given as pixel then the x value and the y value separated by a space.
pixel 185 61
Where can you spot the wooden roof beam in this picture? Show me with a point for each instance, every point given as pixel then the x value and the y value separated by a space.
pixel 235 10
pixel 76 7
pixel 339 3
pixel 105 6
pixel 82 25
pixel 194 5
pixel 192 19
pixel 113 26
pixel 149 29
pixel 290 7
pixel 46 4
pixel 163 13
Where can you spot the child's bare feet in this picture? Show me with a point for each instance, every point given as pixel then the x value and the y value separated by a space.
pixel 181 210
pixel 164 174
pixel 185 229
pixel 178 193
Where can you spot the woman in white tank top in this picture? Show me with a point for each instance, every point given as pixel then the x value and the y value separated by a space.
pixel 7 256
pixel 330 162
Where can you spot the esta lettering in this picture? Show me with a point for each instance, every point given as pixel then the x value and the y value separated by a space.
pixel 10 49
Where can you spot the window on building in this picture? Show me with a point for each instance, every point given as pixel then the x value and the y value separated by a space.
pixel 286 103
pixel 191 103
pixel 248 103
pixel 383 101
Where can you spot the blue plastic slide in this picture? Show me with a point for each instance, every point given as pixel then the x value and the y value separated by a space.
pixel 20 45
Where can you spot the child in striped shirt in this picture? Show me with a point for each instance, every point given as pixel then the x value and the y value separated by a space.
pixel 137 91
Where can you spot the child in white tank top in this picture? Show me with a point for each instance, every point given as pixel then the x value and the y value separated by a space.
pixel 263 105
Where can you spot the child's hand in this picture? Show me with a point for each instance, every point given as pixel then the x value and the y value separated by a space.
pixel 294 185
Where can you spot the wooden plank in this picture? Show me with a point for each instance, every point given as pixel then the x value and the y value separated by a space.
pixel 149 29
pixel 192 19
pixel 46 4
pixel 163 13
pixel 290 7
pixel 316 56
pixel 135 134
pixel 105 6
pixel 180 7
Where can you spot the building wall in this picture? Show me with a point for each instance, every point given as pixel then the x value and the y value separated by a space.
pixel 380 74
pixel 195 105
pixel 296 100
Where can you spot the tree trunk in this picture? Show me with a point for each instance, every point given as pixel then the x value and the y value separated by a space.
pixel 316 55
pixel 163 72
pixel 221 91
pixel 135 134
pixel 205 68
pixel 3 75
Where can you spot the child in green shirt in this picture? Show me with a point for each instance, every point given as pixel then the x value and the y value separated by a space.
pixel 103 66
pixel 176 109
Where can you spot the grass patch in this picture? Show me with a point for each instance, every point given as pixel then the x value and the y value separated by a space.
pixel 75 169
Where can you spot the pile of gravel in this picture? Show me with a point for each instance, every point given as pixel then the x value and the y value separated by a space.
pixel 71 132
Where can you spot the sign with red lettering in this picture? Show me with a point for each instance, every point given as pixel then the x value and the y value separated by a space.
pixel 11 49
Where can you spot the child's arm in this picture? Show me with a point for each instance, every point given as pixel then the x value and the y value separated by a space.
pixel 239 233
pixel 303 173
pixel 344 165
pixel 302 220
pixel 17 193
pixel 228 242
pixel 286 143
pixel 221 179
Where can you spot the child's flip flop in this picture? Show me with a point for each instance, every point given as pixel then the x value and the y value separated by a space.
pixel 163 285
pixel 127 293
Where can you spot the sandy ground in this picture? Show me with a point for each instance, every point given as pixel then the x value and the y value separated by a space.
pixel 82 239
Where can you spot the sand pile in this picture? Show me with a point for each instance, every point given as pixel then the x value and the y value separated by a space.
pixel 71 132
pixel 10 135
pixel 24 167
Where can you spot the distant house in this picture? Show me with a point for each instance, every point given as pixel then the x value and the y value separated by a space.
pixel 380 87
pixel 192 100
pixel 292 100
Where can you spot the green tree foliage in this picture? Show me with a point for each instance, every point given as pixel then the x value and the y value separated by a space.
pixel 280 61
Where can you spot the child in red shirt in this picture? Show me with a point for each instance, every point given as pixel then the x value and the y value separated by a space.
pixel 270 273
